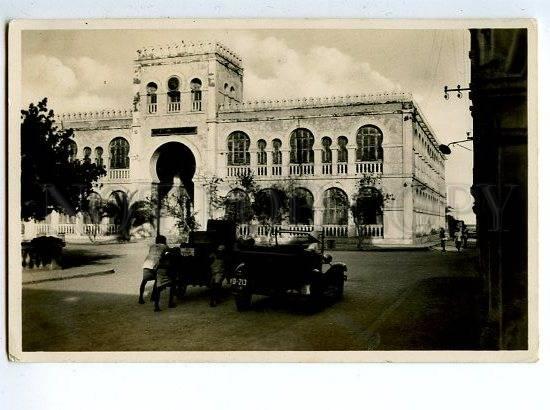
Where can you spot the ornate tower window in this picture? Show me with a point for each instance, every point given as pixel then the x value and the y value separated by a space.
pixel 174 95
pixel 152 97
pixel 196 94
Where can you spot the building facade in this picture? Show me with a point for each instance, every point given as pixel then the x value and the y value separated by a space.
pixel 189 120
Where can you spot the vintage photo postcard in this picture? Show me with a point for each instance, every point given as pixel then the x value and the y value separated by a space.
pixel 272 190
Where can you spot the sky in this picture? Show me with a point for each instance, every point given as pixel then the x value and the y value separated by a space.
pixel 85 70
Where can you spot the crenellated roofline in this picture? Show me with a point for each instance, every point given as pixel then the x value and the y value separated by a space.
pixel 182 48
pixel 313 102
pixel 95 115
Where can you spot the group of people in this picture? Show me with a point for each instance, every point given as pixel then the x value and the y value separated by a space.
pixel 460 237
pixel 167 267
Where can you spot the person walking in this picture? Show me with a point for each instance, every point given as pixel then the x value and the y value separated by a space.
pixel 458 239
pixel 442 238
pixel 464 237
pixel 151 263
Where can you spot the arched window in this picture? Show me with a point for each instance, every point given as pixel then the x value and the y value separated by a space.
pixel 368 206
pixel 71 149
pixel 152 93
pixel 336 206
pixel 268 205
pixel 238 144
pixel 301 207
pixel 301 146
pixel 326 156
pixel 119 150
pixel 87 154
pixel 196 94
pixel 369 144
pixel 277 154
pixel 174 95
pixel 99 156
pixel 237 207
pixel 152 97
pixel 342 149
pixel 262 155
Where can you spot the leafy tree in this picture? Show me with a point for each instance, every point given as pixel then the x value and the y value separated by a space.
pixel 51 179
pixel 367 205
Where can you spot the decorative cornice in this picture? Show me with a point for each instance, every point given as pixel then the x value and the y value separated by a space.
pixel 95 115
pixel 181 49
pixel 259 105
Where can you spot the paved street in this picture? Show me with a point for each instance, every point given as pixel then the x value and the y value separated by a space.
pixel 393 300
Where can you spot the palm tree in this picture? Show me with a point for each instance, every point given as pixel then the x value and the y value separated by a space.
pixel 128 214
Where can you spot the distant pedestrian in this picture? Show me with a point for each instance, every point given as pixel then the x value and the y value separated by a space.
pixel 151 263
pixel 458 239
pixel 464 237
pixel 442 238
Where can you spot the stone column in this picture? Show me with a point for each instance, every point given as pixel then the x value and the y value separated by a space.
pixel 318 218
pixel 317 164
pixel 286 162
pixel 352 155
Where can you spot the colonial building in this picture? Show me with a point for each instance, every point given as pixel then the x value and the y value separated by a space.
pixel 189 119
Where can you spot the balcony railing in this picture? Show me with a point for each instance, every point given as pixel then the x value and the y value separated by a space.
pixel 342 168
pixel 332 231
pixel 174 106
pixel 336 231
pixel 371 231
pixel 325 169
pixel 364 167
pixel 277 170
pixel 152 108
pixel 123 173
pixel 238 170
pixel 301 169
pixel 196 106
pixel 32 230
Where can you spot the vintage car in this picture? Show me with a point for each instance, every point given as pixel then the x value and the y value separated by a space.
pixel 197 262
pixel 290 263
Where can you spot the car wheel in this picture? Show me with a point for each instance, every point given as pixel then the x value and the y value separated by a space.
pixel 243 301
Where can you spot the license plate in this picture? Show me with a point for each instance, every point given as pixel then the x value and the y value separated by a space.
pixel 240 282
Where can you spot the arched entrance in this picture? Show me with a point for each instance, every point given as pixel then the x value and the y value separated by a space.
pixel 172 166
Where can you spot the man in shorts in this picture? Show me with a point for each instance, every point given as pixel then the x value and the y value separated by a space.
pixel 151 263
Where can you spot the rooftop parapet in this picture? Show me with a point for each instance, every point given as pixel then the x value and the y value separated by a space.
pixel 313 102
pixel 95 115
pixel 182 48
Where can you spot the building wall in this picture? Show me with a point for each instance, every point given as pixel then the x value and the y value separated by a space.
pixel 406 139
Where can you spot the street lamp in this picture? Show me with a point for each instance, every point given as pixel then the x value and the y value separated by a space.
pixel 446 148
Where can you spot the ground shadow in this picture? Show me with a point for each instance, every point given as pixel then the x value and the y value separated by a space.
pixel 74 258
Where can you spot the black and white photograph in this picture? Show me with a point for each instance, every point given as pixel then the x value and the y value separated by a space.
pixel 272 190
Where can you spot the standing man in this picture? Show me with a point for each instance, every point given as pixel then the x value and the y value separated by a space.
pixel 151 264
pixel 442 238
pixel 458 238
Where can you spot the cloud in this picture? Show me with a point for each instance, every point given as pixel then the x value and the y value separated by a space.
pixel 75 84
pixel 282 72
